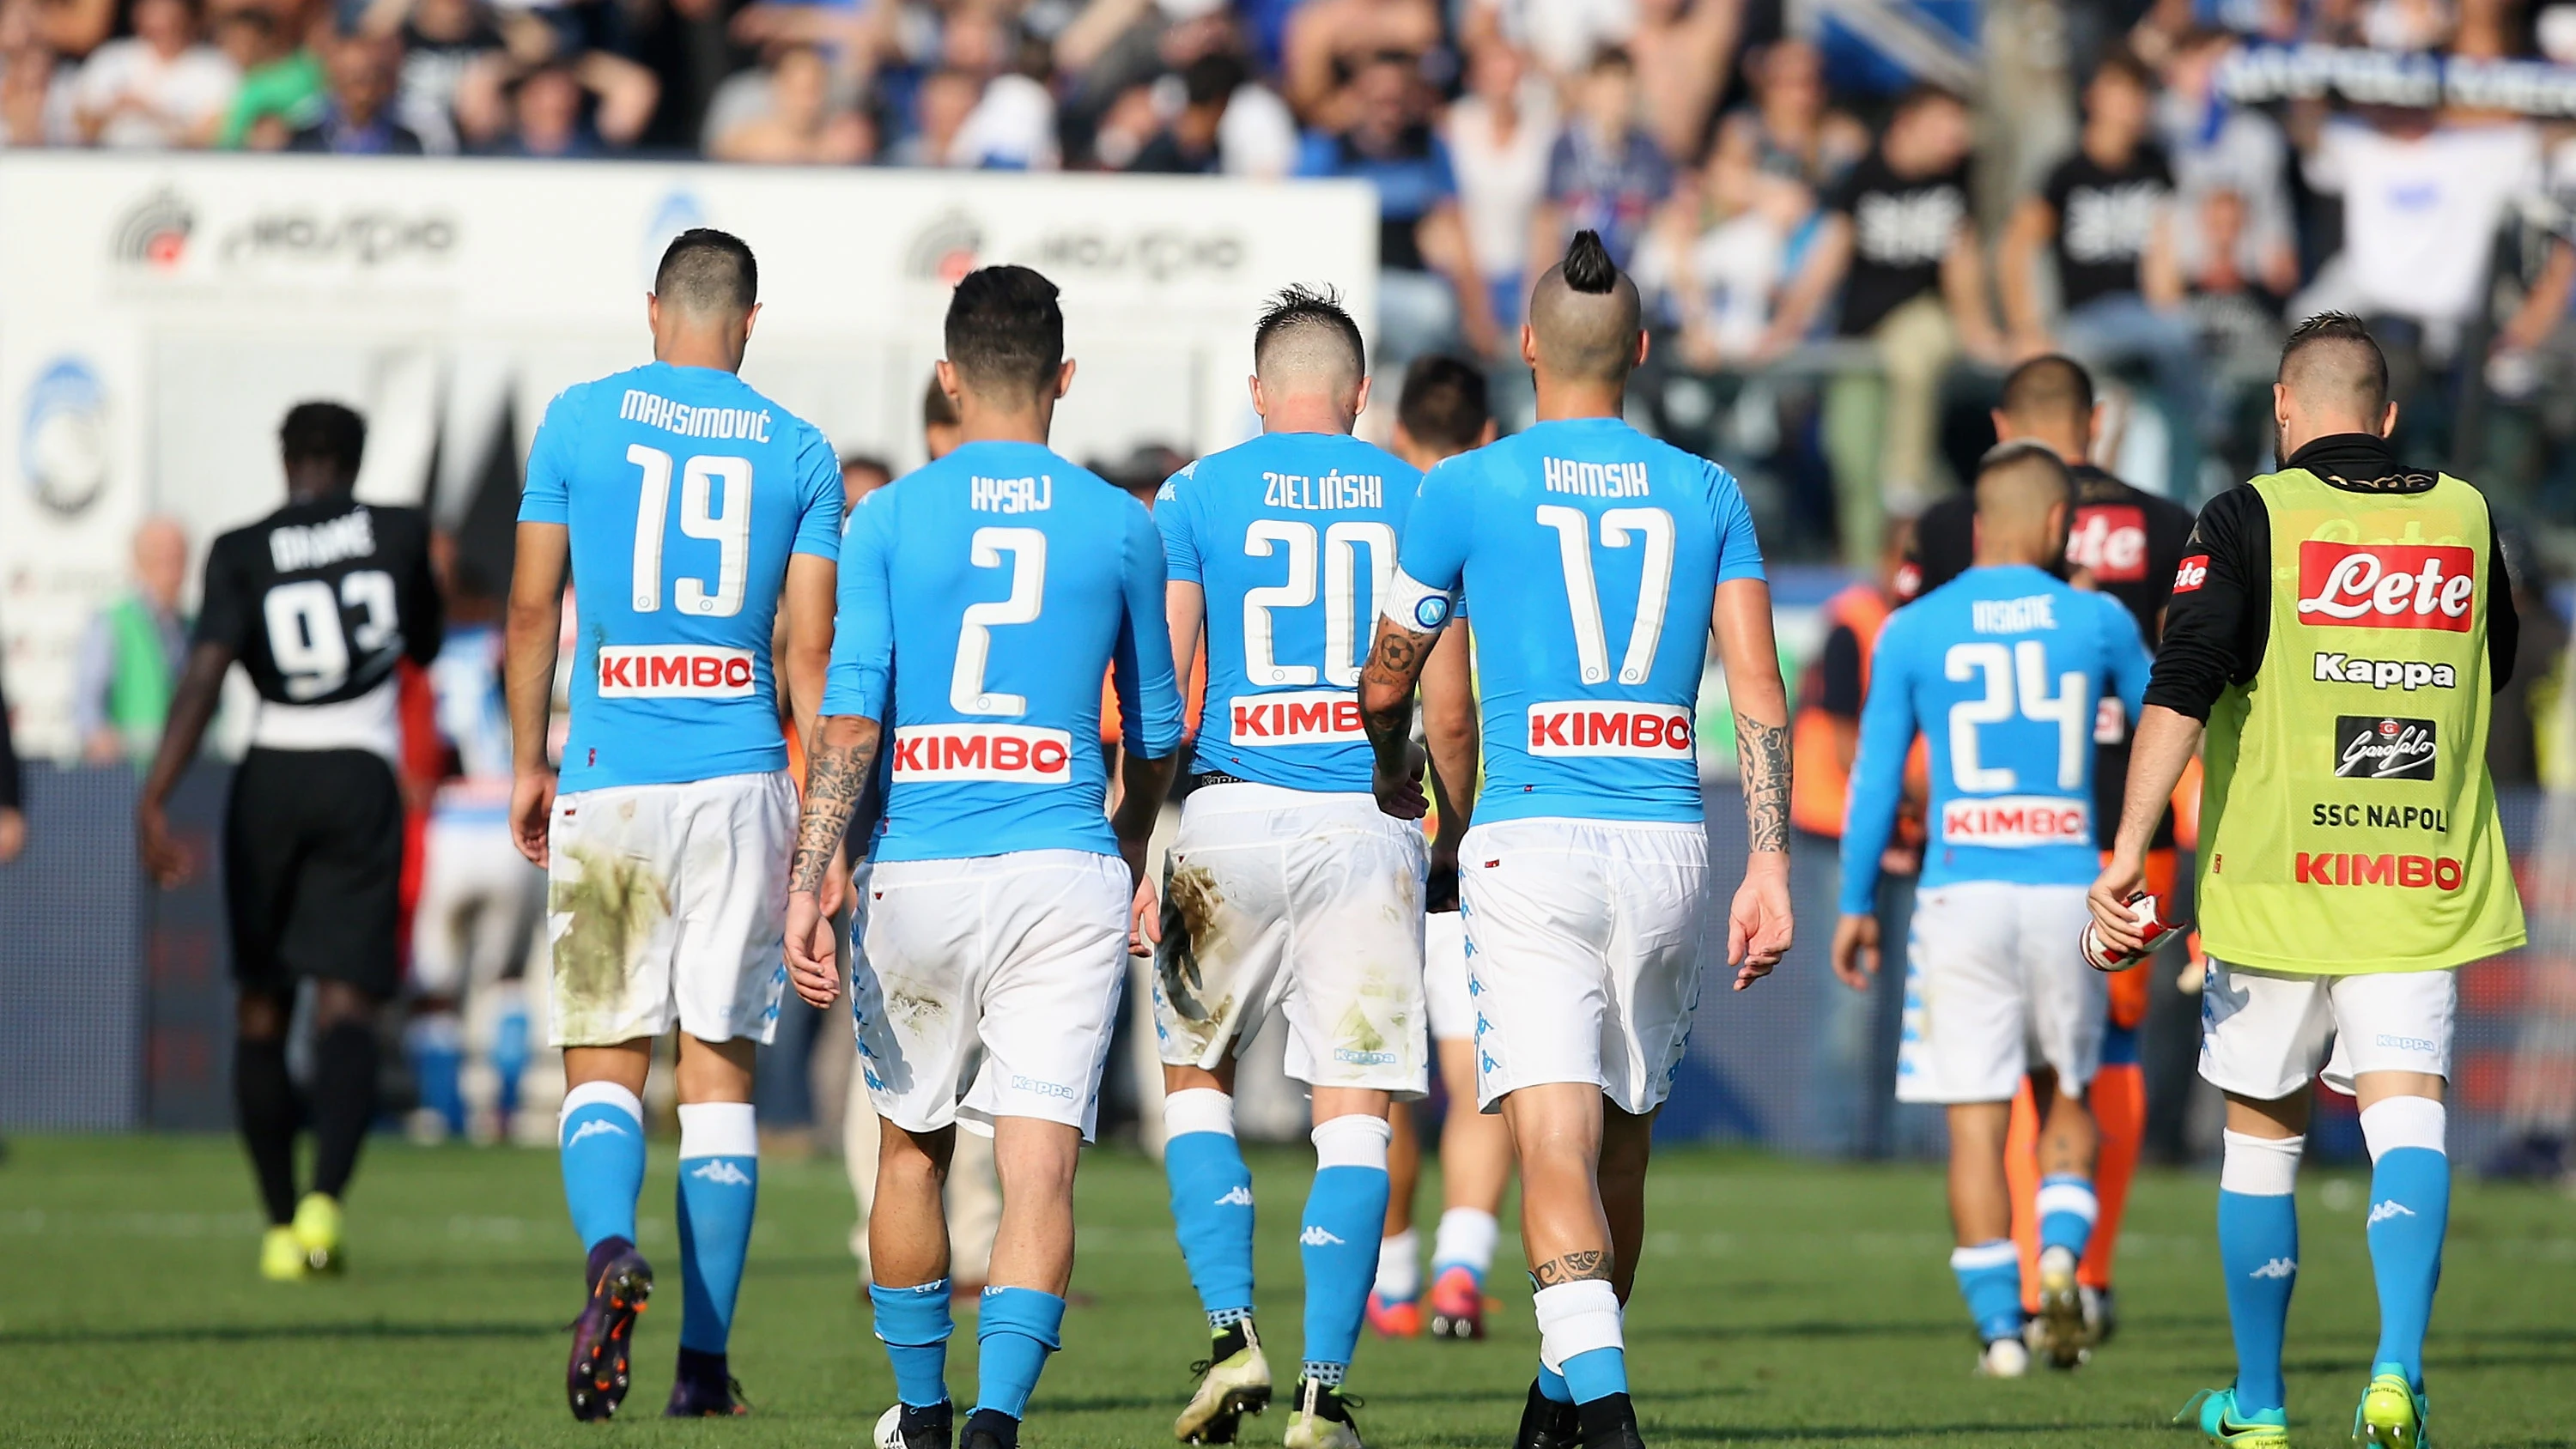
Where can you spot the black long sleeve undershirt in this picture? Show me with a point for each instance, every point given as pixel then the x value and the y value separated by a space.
pixel 2215 633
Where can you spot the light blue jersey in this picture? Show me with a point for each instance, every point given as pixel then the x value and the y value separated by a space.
pixel 987 594
pixel 2002 670
pixel 474 720
pixel 1593 553
pixel 684 492
pixel 1293 538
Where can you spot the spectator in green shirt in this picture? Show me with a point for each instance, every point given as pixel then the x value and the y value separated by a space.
pixel 282 91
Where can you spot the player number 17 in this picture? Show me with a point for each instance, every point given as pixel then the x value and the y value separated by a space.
pixel 1583 592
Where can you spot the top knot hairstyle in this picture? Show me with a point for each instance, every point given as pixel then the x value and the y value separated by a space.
pixel 1005 333
pixel 1588 268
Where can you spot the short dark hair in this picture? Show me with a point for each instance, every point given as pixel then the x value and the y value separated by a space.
pixel 2123 62
pixel 1612 57
pixel 2049 384
pixel 1925 93
pixel 707 270
pixel 1588 267
pixel 938 409
pixel 851 462
pixel 2347 360
pixel 323 432
pixel 1212 78
pixel 1005 331
pixel 1444 404
pixel 1296 309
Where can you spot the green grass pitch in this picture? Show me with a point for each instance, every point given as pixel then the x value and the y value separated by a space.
pixel 1780 1303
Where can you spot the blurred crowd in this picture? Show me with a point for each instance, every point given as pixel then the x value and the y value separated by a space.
pixel 1849 216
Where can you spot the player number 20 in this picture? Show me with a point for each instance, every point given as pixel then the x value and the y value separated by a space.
pixel 1619 526
pixel 1340 560
pixel 715 504
pixel 304 632
pixel 2025 665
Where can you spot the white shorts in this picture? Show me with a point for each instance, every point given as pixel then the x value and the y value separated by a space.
pixel 1445 998
pixel 667 905
pixel 987 987
pixel 1299 903
pixel 1583 945
pixel 1995 988
pixel 478 899
pixel 2264 1033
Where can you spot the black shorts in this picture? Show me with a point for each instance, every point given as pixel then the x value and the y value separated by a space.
pixel 313 855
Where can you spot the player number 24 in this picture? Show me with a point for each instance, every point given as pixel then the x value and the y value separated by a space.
pixel 704 483
pixel 2025 664
pixel 1340 559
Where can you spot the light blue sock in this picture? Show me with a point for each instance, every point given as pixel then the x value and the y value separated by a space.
pixel 602 1137
pixel 1597 1374
pixel 2067 1208
pixel 719 1184
pixel 1552 1386
pixel 435 1042
pixel 1990 1280
pixel 1016 1329
pixel 1337 1240
pixel 1211 1200
pixel 2410 1210
pixel 2258 1250
pixel 914 1324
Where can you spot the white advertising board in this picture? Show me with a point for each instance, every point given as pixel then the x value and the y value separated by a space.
pixel 158 314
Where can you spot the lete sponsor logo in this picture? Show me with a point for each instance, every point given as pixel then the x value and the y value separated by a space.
pixel 1299 717
pixel 1011 754
pixel 2191 574
pixel 674 671
pixel 2386 585
pixel 1610 729
pixel 2110 540
pixel 2015 822
pixel 2413 872
pixel 2369 747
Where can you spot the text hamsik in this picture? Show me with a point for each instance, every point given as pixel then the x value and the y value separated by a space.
pixel 656 411
pixel 1595 480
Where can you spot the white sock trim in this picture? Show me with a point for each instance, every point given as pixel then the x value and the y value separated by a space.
pixel 1997 1254
pixel 1399 1265
pixel 1576 1318
pixel 2395 1122
pixel 599 1094
pixel 2253 1166
pixel 718 1129
pixel 1467 1235
pixel 2068 1197
pixel 1358 1140
pixel 1198 1109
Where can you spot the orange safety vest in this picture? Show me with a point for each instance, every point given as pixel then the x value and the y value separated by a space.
pixel 1819 779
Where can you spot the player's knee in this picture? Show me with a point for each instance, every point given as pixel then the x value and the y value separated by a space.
pixel 261 1017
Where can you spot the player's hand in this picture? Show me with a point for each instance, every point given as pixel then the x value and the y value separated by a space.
pixel 836 886
pixel 13 834
pixel 168 862
pixel 532 808
pixel 1440 887
pixel 1759 927
pixel 2113 919
pixel 813 960
pixel 1401 795
pixel 1855 951
pixel 1144 919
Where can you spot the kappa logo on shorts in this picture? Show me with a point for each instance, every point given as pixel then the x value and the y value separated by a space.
pixel 674 671
pixel 2416 1044
pixel 1011 754
pixel 1037 1087
pixel 1363 1059
pixel 1609 729
pixel 1300 717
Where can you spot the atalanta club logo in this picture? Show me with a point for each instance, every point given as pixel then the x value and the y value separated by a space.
pixel 945 250
pixel 2375 748
pixel 155 232
pixel 63 438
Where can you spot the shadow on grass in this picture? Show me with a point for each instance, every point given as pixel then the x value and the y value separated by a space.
pixel 2079 1433
pixel 275 1333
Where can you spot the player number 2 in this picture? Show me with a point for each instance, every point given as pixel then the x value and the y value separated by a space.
pixel 2025 664
pixel 304 632
pixel 1583 593
pixel 1340 557
pixel 715 504
pixel 1027 548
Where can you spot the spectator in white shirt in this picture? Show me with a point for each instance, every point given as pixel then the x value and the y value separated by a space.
pixel 155 89
pixel 1500 135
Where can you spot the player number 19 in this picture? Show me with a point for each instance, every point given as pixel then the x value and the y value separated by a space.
pixel 729 529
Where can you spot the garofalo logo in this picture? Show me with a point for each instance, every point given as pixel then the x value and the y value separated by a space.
pixel 2374 748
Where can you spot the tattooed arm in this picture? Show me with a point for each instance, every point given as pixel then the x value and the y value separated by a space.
pixel 844 754
pixel 1759 926
pixel 1386 712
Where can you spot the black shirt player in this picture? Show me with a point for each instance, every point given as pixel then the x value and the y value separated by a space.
pixel 317 602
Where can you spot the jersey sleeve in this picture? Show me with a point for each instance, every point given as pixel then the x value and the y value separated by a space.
pixel 1177 522
pixel 1432 556
pixel 1878 770
pixel 223 615
pixel 1149 699
pixel 862 672
pixel 819 497
pixel 546 496
pixel 2127 647
pixel 1739 552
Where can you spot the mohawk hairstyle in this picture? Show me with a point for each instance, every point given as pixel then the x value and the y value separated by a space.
pixel 1588 267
